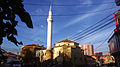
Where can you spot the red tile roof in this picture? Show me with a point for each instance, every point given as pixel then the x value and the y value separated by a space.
pixel 33 45
pixel 66 40
pixel 36 45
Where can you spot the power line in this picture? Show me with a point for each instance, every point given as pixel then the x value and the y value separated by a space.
pixel 75 14
pixel 94 31
pixel 103 33
pixel 104 41
pixel 98 42
pixel 99 31
pixel 92 25
pixel 84 4
pixel 91 28
pixel 90 35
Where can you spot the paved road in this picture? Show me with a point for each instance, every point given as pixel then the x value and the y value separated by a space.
pixel 107 66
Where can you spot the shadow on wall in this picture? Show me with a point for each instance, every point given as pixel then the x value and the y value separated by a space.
pixel 64 60
pixel 28 56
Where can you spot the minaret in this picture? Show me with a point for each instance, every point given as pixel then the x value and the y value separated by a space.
pixel 49 53
pixel 49 32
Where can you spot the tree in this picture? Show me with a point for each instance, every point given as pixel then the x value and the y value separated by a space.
pixel 9 9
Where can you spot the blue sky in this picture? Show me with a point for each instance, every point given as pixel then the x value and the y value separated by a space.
pixel 63 26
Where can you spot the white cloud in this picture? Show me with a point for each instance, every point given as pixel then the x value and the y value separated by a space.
pixel 88 2
pixel 78 19
pixel 82 17
pixel 39 11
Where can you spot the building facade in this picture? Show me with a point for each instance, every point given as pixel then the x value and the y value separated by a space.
pixel 41 54
pixel 114 47
pixel 114 41
pixel 88 49
pixel 107 59
pixel 68 52
pixel 28 53
pixel 98 54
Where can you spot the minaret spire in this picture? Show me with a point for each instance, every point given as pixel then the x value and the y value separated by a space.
pixel 49 33
pixel 50 18
pixel 50 8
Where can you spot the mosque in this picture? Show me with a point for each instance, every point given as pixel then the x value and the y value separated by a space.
pixel 65 51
